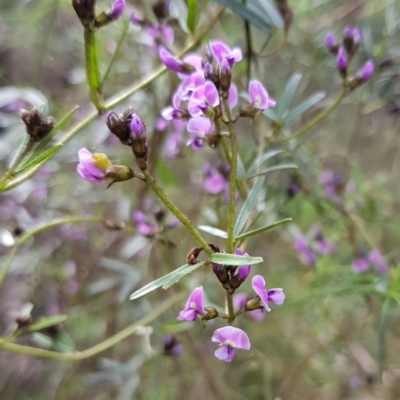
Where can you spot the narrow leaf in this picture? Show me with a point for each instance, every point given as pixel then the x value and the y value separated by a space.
pixel 263 229
pixel 214 231
pixel 247 206
pixel 241 172
pixel 46 322
pixel 304 106
pixel 167 280
pixel 266 156
pixel 249 12
pixel 44 156
pixel 288 93
pixel 274 168
pixel 233 259
pixel 191 17
pixel 272 13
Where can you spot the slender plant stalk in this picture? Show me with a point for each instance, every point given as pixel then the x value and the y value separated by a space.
pixel 100 347
pixel 319 117
pixel 232 178
pixel 159 191
pixel 112 102
pixel 92 69
pixel 23 238
pixel 229 304
pixel 382 336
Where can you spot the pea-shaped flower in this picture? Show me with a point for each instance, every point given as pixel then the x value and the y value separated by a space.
pixel 275 295
pixel 229 339
pixel 194 306
pixel 93 167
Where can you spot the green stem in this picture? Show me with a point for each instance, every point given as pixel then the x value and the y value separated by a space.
pixel 159 191
pixel 110 103
pixel 318 118
pixel 382 336
pixel 24 149
pixel 92 69
pixel 229 303
pixel 232 178
pixel 23 238
pixel 98 348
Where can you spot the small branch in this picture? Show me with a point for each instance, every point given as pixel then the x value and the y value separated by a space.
pixel 112 102
pixel 318 118
pixel 98 348
pixel 92 69
pixel 159 191
pixel 232 178
pixel 229 303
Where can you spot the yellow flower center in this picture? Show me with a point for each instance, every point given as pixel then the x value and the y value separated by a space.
pixel 101 161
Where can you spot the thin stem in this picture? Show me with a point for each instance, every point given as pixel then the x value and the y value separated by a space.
pixel 23 238
pixel 159 191
pixel 110 103
pixel 263 229
pixel 100 347
pixel 318 118
pixel 382 336
pixel 25 148
pixel 229 303
pixel 92 69
pixel 232 178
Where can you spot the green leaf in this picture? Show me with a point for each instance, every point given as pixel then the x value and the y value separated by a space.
pixel 247 206
pixel 274 168
pixel 288 92
pixel 259 160
pixel 304 106
pixel 263 229
pixel 46 322
pixel 180 11
pixel 44 156
pixel 214 231
pixel 250 12
pixel 191 17
pixel 272 12
pixel 233 259
pixel 167 280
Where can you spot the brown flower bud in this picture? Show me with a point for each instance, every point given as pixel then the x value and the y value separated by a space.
pixel 37 126
pixel 85 10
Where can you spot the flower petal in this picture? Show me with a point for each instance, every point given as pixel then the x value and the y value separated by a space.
pixel 258 284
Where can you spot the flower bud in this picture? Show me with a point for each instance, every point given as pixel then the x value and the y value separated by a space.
pixel 118 173
pixel 211 314
pixel 363 74
pixel 225 77
pixel 85 10
pixel 161 9
pixel 351 39
pixel 37 126
pixel 341 61
pixel 140 145
pixel 119 125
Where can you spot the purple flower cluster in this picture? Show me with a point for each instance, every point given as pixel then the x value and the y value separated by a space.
pixel 333 184
pixel 203 83
pixel 373 259
pixel 345 51
pixel 215 179
pixel 310 246
pixel 230 338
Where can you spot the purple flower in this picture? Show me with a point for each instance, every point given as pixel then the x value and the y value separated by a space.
pixel 142 224
pixel 242 271
pixel 157 31
pixel 203 100
pixel 365 72
pixel 174 111
pixel 92 167
pixel 137 126
pixel 190 84
pixel 360 264
pixel 353 33
pixel 194 306
pixel 200 127
pixel 306 254
pixel 258 96
pixel 193 59
pixel 214 182
pixel 330 40
pixel 341 59
pixel 117 8
pixel 172 144
pixel 171 346
pixel 275 295
pixel 221 51
pixel 169 60
pixel 376 258
pixel 229 338
pixel 233 96
pixel 332 182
